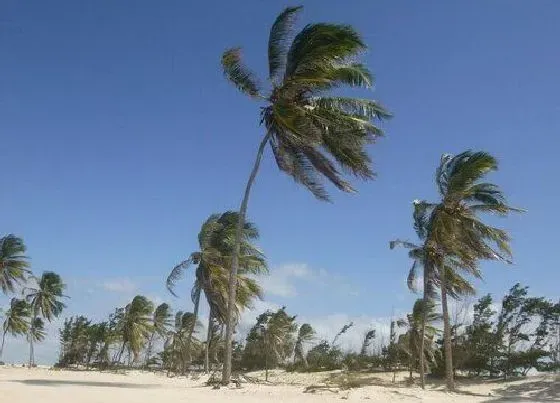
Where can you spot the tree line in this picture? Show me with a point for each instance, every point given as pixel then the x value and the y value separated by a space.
pixel 39 298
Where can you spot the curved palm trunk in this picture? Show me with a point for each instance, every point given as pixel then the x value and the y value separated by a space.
pixel 232 284
pixel 31 347
pixel 207 348
pixel 446 334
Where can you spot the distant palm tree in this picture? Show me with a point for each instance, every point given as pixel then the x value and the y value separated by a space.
pixel 135 325
pixel 175 346
pixel 37 331
pixel 305 335
pixel 458 238
pixel 16 320
pixel 13 263
pixel 213 260
pixel 45 302
pixel 419 324
pixel 313 136
pixel 161 322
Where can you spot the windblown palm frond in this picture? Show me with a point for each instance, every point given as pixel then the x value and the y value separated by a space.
pixel 14 266
pixel 45 298
pixel 314 136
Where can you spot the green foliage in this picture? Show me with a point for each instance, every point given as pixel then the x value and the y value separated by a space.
pixel 324 357
pixel 14 265
pixel 313 136
pixel 270 341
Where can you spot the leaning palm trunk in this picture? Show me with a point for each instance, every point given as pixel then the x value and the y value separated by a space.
pixel 31 348
pixel 232 284
pixel 446 334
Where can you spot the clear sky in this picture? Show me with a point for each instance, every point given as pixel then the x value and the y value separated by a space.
pixel 119 136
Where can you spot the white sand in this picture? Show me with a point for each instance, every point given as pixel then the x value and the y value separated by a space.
pixel 49 386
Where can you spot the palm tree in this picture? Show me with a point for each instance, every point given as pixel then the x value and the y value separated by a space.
pixel 13 263
pixel 427 257
pixel 213 260
pixel 161 321
pixel 45 302
pixel 419 324
pixel 454 230
pixel 36 333
pixel 175 345
pixel 135 325
pixel 313 136
pixel 16 320
pixel 305 335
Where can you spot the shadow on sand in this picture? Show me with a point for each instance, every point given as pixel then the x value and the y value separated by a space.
pixel 547 390
pixel 56 383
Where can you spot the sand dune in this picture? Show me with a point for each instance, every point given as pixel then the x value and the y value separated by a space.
pixel 49 386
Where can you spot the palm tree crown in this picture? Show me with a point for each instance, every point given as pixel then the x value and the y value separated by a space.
pixel 303 124
pixel 45 298
pixel 13 263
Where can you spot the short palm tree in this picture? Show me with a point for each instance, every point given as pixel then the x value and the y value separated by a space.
pixel 313 135
pixel 453 227
pixel 135 325
pixel 420 327
pixel 305 335
pixel 37 331
pixel 14 265
pixel 213 261
pixel 16 320
pixel 45 301
pixel 161 322
pixel 175 346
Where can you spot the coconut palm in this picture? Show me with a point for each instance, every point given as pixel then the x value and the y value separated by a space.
pixel 16 320
pixel 176 348
pixel 161 321
pixel 37 331
pixel 419 324
pixel 45 301
pixel 13 263
pixel 459 239
pixel 305 335
pixel 135 325
pixel 427 257
pixel 213 261
pixel 314 136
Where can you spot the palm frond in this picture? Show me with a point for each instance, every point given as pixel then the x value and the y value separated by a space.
pixel 176 274
pixel 236 72
pixel 278 41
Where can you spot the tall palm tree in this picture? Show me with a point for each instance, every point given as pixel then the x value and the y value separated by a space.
pixel 45 301
pixel 135 325
pixel 313 136
pixel 16 320
pixel 305 335
pixel 458 236
pixel 36 333
pixel 14 266
pixel 161 321
pixel 214 259
pixel 419 338
pixel 426 257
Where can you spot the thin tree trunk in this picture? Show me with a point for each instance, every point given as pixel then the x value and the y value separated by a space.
pixel 3 341
pixel 232 284
pixel 121 352
pixel 191 330
pixel 422 357
pixel 149 349
pixel 31 347
pixel 446 334
pixel 207 348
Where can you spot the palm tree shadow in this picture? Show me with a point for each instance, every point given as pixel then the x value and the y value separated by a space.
pixel 57 383
pixel 547 390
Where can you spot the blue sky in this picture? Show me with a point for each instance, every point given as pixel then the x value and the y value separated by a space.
pixel 120 136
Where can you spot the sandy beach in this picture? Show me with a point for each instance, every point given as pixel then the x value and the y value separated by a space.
pixel 51 386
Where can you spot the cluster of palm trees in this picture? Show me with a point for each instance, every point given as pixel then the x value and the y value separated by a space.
pixel 40 298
